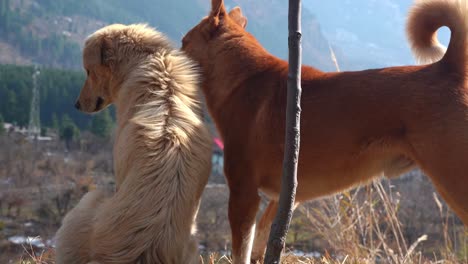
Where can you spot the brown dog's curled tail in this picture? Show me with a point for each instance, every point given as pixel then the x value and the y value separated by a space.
pixel 425 18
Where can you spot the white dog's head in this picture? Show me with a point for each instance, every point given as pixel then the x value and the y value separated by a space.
pixel 109 55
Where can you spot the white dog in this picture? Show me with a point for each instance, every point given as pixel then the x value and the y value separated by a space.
pixel 162 153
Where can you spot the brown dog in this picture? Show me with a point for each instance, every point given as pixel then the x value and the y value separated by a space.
pixel 162 153
pixel 355 125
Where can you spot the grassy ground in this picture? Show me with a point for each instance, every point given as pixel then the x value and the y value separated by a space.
pixel 358 226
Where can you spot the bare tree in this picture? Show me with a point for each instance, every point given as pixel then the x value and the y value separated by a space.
pixel 282 220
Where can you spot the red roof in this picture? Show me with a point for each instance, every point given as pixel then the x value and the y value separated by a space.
pixel 219 143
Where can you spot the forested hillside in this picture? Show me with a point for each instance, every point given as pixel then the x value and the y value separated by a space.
pixel 58 92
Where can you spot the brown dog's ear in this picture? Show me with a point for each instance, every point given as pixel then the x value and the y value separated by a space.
pixel 217 8
pixel 238 17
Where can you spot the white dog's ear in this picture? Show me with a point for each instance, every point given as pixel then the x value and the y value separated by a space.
pixel 238 17
pixel 106 52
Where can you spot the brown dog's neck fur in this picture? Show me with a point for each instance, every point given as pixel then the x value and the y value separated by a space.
pixel 243 49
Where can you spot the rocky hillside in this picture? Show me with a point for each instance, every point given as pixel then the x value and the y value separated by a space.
pixel 51 33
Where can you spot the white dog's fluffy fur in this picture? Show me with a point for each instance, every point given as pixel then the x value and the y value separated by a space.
pixel 162 153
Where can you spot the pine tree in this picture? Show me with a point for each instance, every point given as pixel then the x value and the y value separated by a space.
pixel 5 14
pixel 68 130
pixel 101 124
pixel 55 122
pixel 2 125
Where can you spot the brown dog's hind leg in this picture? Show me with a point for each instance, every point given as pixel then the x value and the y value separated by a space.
pixel 243 207
pixel 454 190
pixel 444 161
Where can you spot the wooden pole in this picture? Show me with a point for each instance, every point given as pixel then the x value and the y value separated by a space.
pixel 280 226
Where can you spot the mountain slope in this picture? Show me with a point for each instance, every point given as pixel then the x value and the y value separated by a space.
pixel 268 22
pixel 51 33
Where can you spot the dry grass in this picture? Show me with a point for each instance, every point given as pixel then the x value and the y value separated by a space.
pixel 360 226
pixel 363 226
pixel 32 256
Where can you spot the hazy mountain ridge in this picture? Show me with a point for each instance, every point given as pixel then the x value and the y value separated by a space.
pixel 370 33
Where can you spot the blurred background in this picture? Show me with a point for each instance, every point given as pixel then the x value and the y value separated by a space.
pixel 51 154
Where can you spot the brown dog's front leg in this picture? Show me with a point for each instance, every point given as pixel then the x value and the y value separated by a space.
pixel 243 207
